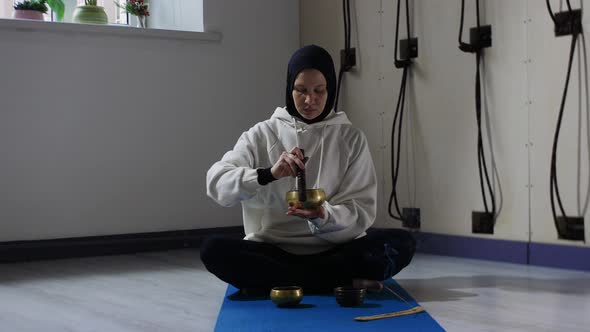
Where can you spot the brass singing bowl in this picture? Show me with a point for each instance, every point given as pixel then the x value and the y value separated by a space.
pixel 315 199
pixel 286 296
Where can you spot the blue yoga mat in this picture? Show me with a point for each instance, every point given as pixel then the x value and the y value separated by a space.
pixel 320 313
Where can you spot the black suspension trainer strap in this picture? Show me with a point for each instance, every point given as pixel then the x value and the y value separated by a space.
pixel 484 176
pixel 553 186
pixel 347 48
pixel 398 117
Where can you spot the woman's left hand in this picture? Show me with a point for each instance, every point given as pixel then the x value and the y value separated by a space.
pixel 305 213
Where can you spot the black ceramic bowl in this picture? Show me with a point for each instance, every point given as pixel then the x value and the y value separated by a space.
pixel 349 296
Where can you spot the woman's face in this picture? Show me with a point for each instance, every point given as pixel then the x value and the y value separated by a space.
pixel 310 93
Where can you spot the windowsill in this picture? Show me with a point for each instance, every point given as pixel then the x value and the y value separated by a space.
pixel 116 30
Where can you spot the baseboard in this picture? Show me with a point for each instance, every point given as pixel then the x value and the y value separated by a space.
pixel 554 255
pixel 520 252
pixel 551 255
pixel 18 251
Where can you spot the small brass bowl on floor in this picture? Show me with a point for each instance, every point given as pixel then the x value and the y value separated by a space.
pixel 315 199
pixel 349 296
pixel 286 296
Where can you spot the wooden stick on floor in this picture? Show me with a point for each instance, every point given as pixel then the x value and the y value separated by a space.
pixel 414 310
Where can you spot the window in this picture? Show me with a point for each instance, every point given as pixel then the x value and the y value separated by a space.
pixel 6 9
pixel 114 13
pixel 183 15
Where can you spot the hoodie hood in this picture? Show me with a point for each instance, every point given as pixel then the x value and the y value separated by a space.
pixel 333 118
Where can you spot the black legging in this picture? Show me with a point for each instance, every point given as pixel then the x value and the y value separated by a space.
pixel 379 255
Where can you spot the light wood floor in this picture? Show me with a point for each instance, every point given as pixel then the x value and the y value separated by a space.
pixel 171 291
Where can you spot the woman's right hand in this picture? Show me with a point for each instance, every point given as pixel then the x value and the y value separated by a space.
pixel 288 164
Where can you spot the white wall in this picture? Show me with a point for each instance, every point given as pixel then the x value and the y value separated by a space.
pixel 439 166
pixel 106 135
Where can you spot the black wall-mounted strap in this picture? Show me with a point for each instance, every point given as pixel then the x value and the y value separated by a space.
pixel 402 63
pixel 481 159
pixel 395 153
pixel 570 228
pixel 396 129
pixel 477 47
pixel 347 48
pixel 465 47
pixel 553 186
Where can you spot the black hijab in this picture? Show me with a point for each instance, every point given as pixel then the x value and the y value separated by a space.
pixel 313 57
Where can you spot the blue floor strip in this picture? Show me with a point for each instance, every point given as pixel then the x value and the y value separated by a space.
pixel 320 313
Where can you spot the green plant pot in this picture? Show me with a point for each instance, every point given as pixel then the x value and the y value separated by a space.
pixel 90 15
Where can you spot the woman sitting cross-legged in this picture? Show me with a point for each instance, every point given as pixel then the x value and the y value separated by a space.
pixel 318 248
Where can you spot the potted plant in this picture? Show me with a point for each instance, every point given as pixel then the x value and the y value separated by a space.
pixel 58 7
pixel 137 8
pixel 34 9
pixel 30 9
pixel 90 13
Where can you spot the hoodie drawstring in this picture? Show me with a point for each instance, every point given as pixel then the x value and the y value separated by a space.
pixel 296 143
pixel 296 131
pixel 317 182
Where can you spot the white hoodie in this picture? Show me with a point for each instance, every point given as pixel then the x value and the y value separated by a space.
pixel 343 167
